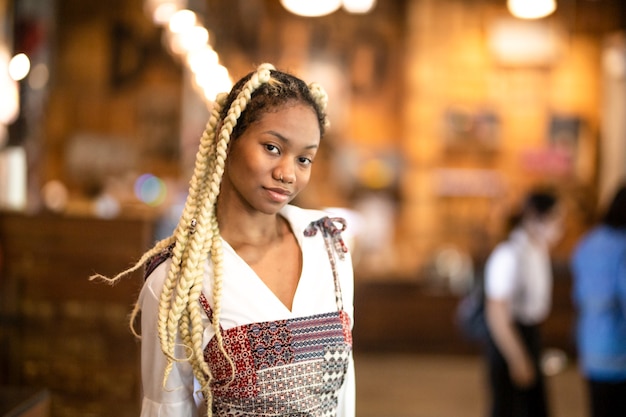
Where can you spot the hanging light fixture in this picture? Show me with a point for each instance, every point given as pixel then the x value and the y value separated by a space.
pixel 359 6
pixel 531 9
pixel 310 8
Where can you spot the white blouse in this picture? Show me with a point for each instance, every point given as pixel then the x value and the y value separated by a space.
pixel 245 299
pixel 519 271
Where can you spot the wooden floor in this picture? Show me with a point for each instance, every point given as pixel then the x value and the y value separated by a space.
pixel 410 385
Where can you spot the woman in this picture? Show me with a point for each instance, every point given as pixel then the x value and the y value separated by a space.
pixel 247 308
pixel 599 272
pixel 518 289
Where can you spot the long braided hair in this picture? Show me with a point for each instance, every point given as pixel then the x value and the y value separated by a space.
pixel 197 234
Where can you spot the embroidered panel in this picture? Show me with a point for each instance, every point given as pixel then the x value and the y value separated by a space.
pixel 312 334
pixel 237 344
pixel 299 389
pixel 271 344
pixel 286 367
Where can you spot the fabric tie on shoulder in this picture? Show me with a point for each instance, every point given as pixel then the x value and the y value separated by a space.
pixel 329 229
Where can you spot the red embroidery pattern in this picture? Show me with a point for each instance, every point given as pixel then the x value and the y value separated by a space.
pixel 285 367
pixel 237 345
pixel 346 324
pixel 271 344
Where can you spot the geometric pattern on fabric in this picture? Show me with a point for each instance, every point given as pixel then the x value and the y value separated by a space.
pixel 271 344
pixel 334 369
pixel 282 368
pixel 237 344
pixel 306 388
pixel 312 334
pixel 284 391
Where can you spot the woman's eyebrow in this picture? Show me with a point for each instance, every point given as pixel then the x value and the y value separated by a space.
pixel 286 140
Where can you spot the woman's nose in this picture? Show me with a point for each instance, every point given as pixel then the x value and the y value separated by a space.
pixel 286 172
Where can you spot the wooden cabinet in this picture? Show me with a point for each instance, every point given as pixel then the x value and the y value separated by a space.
pixel 24 402
pixel 61 332
pixel 408 316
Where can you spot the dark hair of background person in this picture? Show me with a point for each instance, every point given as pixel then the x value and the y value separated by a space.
pixel 539 202
pixel 615 215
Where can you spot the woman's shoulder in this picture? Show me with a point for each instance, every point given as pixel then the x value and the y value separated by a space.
pixel 505 249
pixel 300 218
pixel 602 239
pixel 157 259
pixel 308 222
pixel 304 215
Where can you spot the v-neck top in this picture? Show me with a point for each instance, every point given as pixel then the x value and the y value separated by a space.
pixel 245 300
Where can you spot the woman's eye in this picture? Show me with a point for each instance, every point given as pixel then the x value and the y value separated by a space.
pixel 271 148
pixel 305 161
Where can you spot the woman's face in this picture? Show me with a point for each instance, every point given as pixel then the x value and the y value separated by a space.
pixel 270 163
pixel 549 228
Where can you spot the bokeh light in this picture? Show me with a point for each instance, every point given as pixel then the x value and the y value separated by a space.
pixel 19 66
pixel 150 189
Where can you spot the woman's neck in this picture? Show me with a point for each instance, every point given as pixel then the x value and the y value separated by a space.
pixel 243 227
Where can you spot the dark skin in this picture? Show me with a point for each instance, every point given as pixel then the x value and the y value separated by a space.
pixel 267 166
pixel 275 258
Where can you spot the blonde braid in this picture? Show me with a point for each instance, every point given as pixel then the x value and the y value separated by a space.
pixel 184 282
pixel 217 258
pixel 158 247
pixel 237 107
pixel 321 98
pixel 193 338
pixel 167 320
pixel 262 76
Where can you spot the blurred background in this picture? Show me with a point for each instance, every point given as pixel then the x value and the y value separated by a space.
pixel 443 114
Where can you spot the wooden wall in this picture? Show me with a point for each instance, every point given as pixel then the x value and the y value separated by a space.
pixel 459 183
pixel 397 78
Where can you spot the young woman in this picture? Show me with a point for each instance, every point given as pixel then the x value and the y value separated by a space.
pixel 247 309
pixel 599 271
pixel 518 290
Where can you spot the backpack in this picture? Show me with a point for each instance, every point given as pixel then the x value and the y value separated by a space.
pixel 470 313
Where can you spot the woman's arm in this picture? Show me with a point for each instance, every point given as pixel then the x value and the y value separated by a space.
pixel 176 397
pixel 507 339
pixel 621 284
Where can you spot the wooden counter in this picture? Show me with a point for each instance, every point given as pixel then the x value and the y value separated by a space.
pixel 60 331
pixel 406 316
pixel 24 402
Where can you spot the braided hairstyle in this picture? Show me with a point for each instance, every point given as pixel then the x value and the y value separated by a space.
pixel 197 235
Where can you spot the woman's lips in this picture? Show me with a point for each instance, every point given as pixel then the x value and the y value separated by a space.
pixel 279 194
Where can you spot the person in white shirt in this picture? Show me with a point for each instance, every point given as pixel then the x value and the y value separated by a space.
pixel 247 309
pixel 518 291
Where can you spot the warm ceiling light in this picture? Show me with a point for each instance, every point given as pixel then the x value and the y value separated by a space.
pixel 531 9
pixel 19 66
pixel 181 20
pixel 359 6
pixel 311 8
